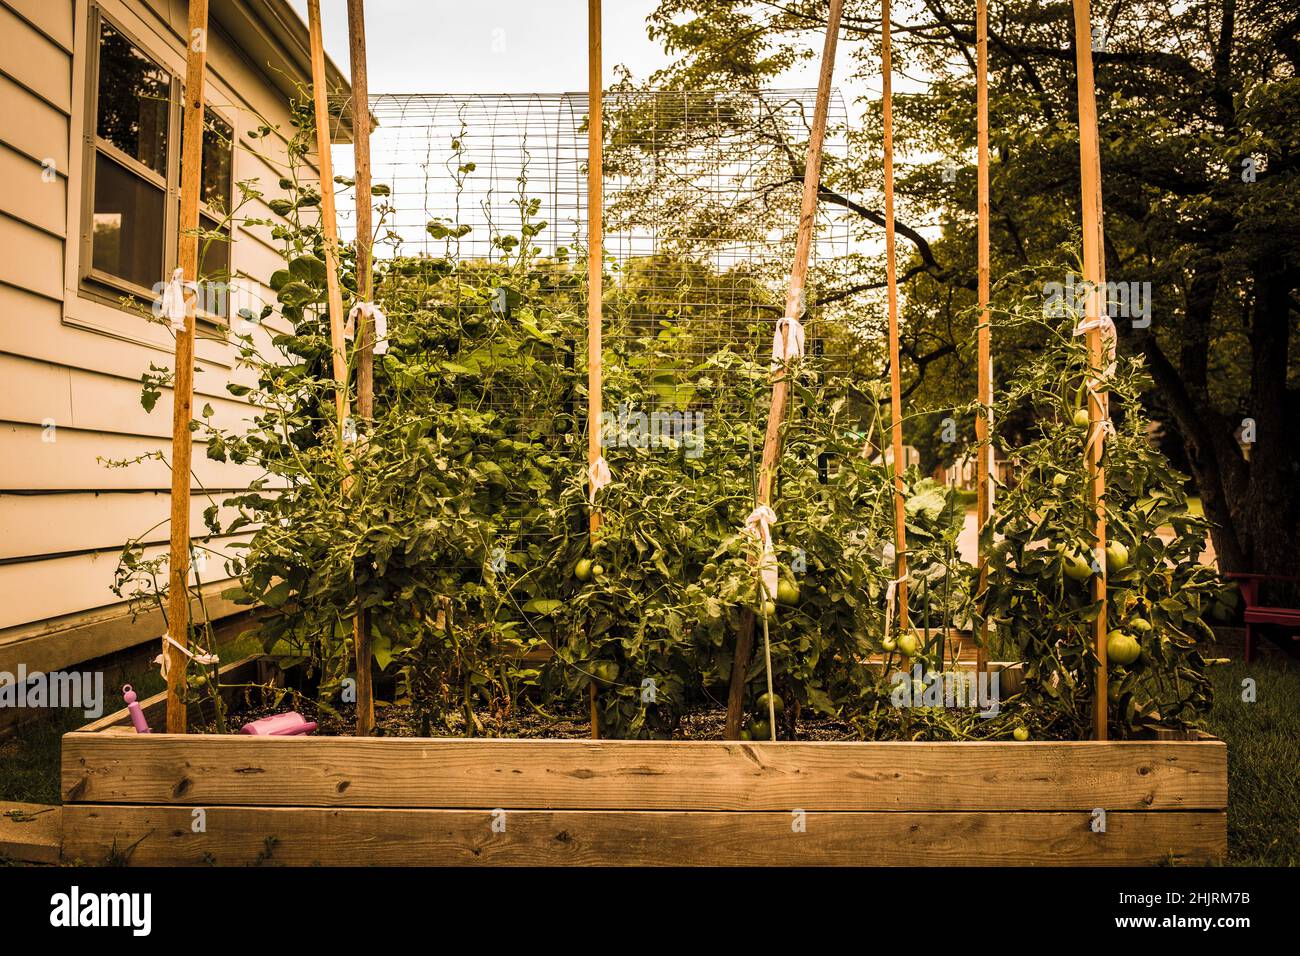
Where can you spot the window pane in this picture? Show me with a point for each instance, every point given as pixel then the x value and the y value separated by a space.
pixel 134 101
pixel 214 267
pixel 217 153
pixel 214 251
pixel 128 237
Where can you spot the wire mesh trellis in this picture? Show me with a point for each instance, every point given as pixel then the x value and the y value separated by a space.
pixel 712 175
pixel 702 193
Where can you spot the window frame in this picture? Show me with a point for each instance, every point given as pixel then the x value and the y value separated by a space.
pixel 96 284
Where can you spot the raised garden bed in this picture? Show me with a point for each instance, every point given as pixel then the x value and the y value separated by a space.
pixel 454 801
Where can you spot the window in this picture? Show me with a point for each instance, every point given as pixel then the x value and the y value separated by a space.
pixel 134 166
pixel 132 119
pixel 214 208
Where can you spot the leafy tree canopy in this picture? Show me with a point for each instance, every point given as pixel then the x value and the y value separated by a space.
pixel 1198 107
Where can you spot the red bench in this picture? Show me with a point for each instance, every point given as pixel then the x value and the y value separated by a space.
pixel 1257 613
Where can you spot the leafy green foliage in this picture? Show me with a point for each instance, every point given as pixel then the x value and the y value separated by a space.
pixel 458 518
pixel 1041 614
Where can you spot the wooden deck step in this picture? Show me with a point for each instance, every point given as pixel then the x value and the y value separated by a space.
pixel 30 832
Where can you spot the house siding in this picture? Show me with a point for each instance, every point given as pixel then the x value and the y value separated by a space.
pixel 71 365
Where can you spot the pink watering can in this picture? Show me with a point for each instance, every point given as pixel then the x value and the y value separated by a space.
pixel 290 724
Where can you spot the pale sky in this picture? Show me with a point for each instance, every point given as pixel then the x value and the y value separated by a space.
pixel 489 46
pixel 519 46
pixel 523 46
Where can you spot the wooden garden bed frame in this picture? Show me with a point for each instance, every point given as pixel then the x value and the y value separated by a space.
pixel 459 801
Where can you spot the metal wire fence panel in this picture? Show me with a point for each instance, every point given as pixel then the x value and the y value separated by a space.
pixel 481 213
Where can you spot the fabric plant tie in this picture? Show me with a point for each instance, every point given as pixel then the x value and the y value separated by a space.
pixel 788 347
pixel 759 526
pixel 173 299
pixel 891 590
pixel 1109 335
pixel 161 659
pixel 599 476
pixel 1105 429
pixel 377 318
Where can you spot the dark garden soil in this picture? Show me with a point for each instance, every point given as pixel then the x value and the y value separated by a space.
pixel 524 723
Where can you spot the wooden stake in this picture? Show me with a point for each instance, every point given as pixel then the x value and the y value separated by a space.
pixel 794 308
pixel 895 372
pixel 364 330
pixel 178 595
pixel 595 261
pixel 329 215
pixel 1094 269
pixel 984 419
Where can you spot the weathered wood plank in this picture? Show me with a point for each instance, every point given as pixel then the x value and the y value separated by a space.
pixel 211 771
pixel 304 836
pixel 30 832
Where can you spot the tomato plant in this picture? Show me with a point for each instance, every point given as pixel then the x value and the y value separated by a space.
pixel 1042 556
pixel 458 519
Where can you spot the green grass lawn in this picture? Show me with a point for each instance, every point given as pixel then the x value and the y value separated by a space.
pixel 29 761
pixel 1263 741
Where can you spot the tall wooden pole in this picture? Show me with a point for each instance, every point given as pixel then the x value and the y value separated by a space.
pixel 595 261
pixel 178 594
pixel 984 418
pixel 891 278
pixel 1094 269
pixel 329 215
pixel 794 307
pixel 364 330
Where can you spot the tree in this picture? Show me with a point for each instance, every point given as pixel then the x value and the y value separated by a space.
pixel 1198 108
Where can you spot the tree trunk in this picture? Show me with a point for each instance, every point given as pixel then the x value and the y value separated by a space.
pixel 1196 425
pixel 1269 507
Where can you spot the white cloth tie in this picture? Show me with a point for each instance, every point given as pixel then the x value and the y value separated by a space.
pixel 786 348
pixel 173 299
pixel 759 525
pixel 891 590
pixel 1109 336
pixel 161 659
pixel 1104 430
pixel 380 321
pixel 599 476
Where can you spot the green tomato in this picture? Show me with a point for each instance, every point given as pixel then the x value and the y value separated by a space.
pixel 1077 567
pixel 760 730
pixel 1080 418
pixel 1139 624
pixel 1122 649
pixel 908 645
pixel 777 703
pixel 787 592
pixel 582 570
pixel 597 570
pixel 1116 557
pixel 1021 734
pixel 605 671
